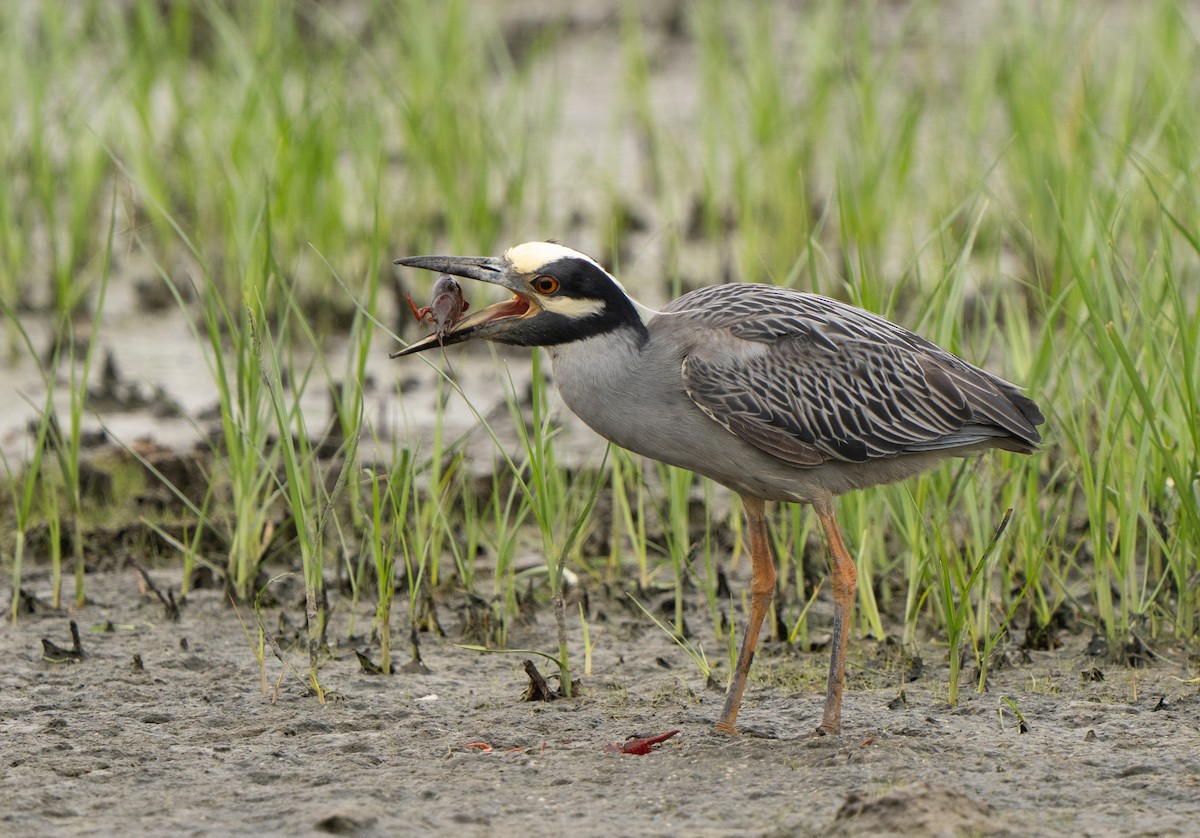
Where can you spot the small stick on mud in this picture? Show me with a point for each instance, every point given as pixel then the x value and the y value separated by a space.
pixel 538 690
pixel 368 666
pixel 27 603
pixel 425 617
pixel 170 606
pixel 55 654
pixel 416 666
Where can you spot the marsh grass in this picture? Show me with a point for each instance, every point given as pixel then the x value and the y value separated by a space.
pixel 23 485
pixel 629 551
pixel 677 530
pixel 248 455
pixel 387 541
pixel 560 503
pixel 66 437
pixel 1023 193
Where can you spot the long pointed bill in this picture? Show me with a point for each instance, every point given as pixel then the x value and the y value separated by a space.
pixel 478 324
pixel 484 268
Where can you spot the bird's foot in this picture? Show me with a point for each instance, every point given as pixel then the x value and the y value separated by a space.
pixel 752 732
pixel 727 728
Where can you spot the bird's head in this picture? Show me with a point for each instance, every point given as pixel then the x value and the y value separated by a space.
pixel 560 296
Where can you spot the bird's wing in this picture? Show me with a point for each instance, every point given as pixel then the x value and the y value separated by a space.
pixel 809 379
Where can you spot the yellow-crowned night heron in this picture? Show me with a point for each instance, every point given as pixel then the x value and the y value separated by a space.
pixel 777 394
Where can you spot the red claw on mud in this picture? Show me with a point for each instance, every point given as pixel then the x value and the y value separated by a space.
pixel 639 746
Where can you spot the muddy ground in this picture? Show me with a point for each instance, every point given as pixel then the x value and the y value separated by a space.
pixel 192 742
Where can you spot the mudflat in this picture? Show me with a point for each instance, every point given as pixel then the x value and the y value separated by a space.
pixel 195 737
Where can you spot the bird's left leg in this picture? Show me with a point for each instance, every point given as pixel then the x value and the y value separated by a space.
pixel 762 589
pixel 845 583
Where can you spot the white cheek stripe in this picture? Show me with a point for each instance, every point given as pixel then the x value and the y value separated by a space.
pixel 571 308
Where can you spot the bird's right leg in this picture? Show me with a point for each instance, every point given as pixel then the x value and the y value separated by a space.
pixel 762 589
pixel 845 582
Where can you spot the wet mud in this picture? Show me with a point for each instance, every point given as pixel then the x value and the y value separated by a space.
pixel 171 725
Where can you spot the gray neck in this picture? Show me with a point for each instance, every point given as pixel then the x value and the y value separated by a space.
pixel 622 385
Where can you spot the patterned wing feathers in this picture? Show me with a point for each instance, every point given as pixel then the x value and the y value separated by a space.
pixel 808 379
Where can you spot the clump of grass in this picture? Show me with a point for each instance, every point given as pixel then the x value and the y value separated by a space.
pixel 66 438
pixel 955 582
pixel 677 530
pixel 23 486
pixel 249 456
pixel 508 511
pixel 386 539
pixel 628 519
pixel 559 505
pixel 303 490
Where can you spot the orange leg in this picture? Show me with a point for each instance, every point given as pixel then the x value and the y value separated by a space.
pixel 762 589
pixel 845 580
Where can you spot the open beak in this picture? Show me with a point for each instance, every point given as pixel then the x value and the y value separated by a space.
pixel 484 323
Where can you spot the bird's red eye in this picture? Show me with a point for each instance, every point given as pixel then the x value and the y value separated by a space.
pixel 545 284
